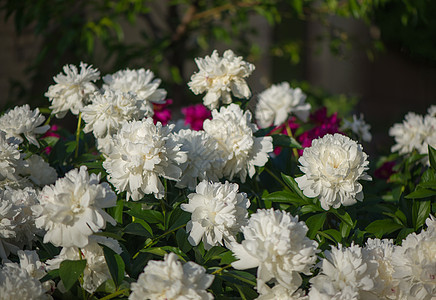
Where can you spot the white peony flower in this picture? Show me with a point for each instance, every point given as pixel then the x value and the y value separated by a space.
pixel 218 212
pixel 232 129
pixel 72 209
pixel 96 270
pixel 332 167
pixel 141 153
pixel 171 280
pixel 276 103
pixel 276 243
pixel 141 83
pixel 204 161
pixel 346 273
pixel 107 112
pixel 431 111
pixel 382 251
pixel 17 223
pixel 218 76
pixel 72 89
pixel 278 292
pixel 358 127
pixel 16 283
pixel 11 160
pixel 39 171
pixel 415 133
pixel 22 120
pixel 414 264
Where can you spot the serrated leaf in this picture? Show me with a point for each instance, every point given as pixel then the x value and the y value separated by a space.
pixel 282 140
pixel 70 271
pixel 315 223
pixel 382 227
pixel 115 265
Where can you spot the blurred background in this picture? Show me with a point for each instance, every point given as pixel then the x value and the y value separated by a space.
pixel 375 57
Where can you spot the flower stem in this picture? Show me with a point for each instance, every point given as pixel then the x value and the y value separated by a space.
pixel 79 123
pixel 222 269
pixel 114 294
pixel 277 178
pixel 289 131
pixel 158 238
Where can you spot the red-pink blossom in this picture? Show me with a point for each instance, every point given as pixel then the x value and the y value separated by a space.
pixel 195 116
pixel 162 113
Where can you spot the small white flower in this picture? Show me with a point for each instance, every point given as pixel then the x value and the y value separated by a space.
pixel 16 283
pixel 415 133
pixel 332 167
pixel 414 264
pixel 107 112
pixel 276 103
pixel 96 270
pixel 218 76
pixel 204 161
pixel 17 223
pixel 22 120
pixel 72 89
pixel 431 111
pixel 346 273
pixel 141 153
pixel 39 171
pixel 171 280
pixel 276 243
pixel 141 83
pixel 358 127
pixel 72 209
pixel 218 212
pixel 232 129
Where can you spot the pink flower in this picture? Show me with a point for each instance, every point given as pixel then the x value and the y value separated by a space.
pixel 324 125
pixel 162 113
pixel 51 132
pixel 195 116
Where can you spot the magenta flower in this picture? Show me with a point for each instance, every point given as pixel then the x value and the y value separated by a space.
pixel 323 126
pixel 385 170
pixel 195 116
pixel 162 113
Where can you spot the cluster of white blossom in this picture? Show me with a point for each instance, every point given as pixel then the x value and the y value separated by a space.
pixel 415 133
pixel 332 167
pixel 359 127
pixel 218 212
pixel 17 220
pixel 220 76
pixel 276 103
pixel 23 121
pixel 232 130
pixel 170 279
pixel 276 243
pixel 72 209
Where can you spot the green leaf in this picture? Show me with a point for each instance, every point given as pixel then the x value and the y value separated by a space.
pixel 285 197
pixel 70 271
pixel 420 212
pixel 182 240
pixel 137 229
pixel 382 227
pixel 343 216
pixel 150 216
pixel 315 223
pixel 227 258
pixel 403 234
pixel 50 275
pixel 421 193
pixel 332 234
pixel 294 186
pixel 115 264
pixel 432 156
pixel 305 209
pixel 282 140
pixel 214 253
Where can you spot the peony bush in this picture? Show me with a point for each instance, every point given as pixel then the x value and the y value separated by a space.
pixel 277 202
